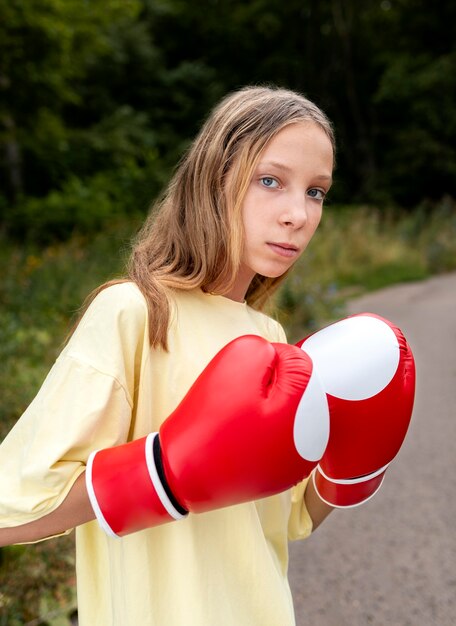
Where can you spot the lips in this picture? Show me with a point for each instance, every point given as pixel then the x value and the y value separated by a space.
pixel 283 249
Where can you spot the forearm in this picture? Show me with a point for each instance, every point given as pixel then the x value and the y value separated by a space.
pixel 74 510
pixel 317 509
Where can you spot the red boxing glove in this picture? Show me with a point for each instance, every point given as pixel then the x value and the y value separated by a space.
pixel 253 424
pixel 368 372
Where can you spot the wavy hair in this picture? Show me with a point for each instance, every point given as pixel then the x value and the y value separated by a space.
pixel 193 236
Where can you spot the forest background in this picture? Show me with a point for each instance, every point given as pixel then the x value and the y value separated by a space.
pixel 100 98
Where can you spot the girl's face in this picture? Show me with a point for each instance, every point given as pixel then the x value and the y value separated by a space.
pixel 283 204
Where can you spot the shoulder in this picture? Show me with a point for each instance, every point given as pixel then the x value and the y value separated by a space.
pixel 118 311
pixel 272 329
pixel 124 295
pixel 120 301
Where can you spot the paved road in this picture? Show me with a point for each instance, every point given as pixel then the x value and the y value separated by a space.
pixel 392 562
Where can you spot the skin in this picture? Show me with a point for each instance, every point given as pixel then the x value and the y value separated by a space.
pixel 283 204
pixel 281 211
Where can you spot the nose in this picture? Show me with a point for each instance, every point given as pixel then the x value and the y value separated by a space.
pixel 294 214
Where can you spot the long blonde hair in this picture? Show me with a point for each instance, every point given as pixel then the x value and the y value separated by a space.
pixel 193 236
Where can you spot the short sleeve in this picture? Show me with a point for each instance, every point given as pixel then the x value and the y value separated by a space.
pixel 84 404
pixel 271 328
pixel 281 336
pixel 300 523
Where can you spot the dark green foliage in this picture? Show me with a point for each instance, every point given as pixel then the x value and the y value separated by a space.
pixel 100 99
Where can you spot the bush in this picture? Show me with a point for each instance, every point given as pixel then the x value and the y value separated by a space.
pixel 358 249
pixel 37 581
pixel 86 205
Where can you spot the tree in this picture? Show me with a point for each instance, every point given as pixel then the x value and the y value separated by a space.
pixel 45 49
pixel 103 87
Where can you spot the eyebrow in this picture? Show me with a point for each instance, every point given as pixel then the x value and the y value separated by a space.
pixel 285 168
pixel 280 166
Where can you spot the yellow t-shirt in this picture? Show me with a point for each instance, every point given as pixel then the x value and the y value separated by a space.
pixel 227 567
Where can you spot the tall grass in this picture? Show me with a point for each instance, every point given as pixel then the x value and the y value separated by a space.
pixel 359 249
pixel 41 290
pixel 355 249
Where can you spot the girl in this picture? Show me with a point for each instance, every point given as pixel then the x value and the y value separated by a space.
pixel 240 210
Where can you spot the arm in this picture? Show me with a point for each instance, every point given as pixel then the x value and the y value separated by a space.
pixel 317 509
pixel 89 389
pixel 367 369
pixel 161 477
pixel 253 424
pixel 76 509
pixel 73 511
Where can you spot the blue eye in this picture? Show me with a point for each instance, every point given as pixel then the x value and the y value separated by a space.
pixel 316 194
pixel 269 181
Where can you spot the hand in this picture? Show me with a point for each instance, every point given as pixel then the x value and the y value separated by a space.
pixel 368 372
pixel 254 423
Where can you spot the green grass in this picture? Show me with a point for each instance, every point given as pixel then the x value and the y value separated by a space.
pixel 355 249
pixel 41 290
pixel 359 249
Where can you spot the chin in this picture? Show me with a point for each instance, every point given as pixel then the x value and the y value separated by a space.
pixel 275 272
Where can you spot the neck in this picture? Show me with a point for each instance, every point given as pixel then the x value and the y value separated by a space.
pixel 239 289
